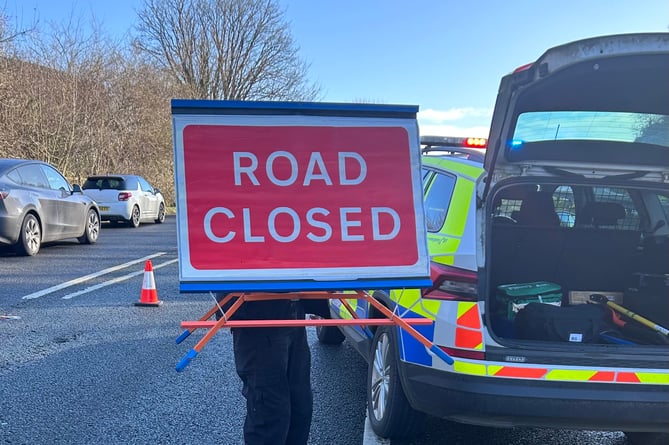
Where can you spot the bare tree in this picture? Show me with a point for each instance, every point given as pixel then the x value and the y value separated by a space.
pixel 65 97
pixel 225 49
pixel 9 33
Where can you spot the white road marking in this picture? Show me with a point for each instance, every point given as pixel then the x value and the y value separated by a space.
pixel 116 280
pixel 370 438
pixel 87 277
pixel 9 317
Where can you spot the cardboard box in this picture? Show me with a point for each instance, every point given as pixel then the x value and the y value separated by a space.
pixel 513 297
pixel 583 296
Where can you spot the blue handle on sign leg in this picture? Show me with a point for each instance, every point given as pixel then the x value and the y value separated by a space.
pixel 441 354
pixel 186 360
pixel 183 336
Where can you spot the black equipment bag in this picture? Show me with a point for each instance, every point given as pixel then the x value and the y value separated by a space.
pixel 649 297
pixel 581 323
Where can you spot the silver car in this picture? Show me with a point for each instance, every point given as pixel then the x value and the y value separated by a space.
pixel 38 205
pixel 126 198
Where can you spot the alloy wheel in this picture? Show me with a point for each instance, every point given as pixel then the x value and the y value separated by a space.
pixel 33 236
pixel 380 377
pixel 92 226
pixel 161 214
pixel 134 220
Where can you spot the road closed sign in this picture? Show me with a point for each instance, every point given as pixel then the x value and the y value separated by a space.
pixel 290 196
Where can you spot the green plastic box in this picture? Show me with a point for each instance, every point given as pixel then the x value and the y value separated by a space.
pixel 513 297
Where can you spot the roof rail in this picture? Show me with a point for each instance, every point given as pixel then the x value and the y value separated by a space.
pixel 470 153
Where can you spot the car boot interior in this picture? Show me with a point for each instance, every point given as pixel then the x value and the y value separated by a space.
pixel 586 239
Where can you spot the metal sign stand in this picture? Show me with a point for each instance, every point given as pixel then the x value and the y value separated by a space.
pixel 212 326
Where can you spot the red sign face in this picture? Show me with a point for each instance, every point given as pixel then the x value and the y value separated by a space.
pixel 305 197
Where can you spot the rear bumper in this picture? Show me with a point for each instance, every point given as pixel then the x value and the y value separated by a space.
pixel 528 403
pixel 115 211
pixel 9 229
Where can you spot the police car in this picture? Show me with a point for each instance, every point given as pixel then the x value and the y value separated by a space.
pixel 551 321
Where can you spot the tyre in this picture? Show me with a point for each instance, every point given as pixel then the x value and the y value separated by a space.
pixel 329 335
pixel 134 217
pixel 161 214
pixel 388 409
pixel 30 238
pixel 644 438
pixel 92 231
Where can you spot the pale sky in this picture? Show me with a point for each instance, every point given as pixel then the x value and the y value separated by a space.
pixel 445 56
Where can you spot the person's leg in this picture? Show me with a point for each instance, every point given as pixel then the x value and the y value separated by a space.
pixel 299 381
pixel 261 360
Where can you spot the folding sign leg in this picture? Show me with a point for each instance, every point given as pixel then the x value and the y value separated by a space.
pixel 355 315
pixel 184 335
pixel 407 327
pixel 390 319
pixel 190 355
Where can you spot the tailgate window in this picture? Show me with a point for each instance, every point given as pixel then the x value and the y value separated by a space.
pixel 104 184
pixel 593 126
pixel 591 136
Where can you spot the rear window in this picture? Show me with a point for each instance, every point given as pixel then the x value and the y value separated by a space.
pixel 621 197
pixel 592 126
pixel 104 184
pixel 569 206
pixel 32 175
pixel 633 140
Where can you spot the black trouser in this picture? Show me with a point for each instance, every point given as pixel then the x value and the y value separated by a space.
pixel 274 365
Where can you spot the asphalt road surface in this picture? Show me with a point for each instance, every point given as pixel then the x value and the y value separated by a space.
pixel 80 363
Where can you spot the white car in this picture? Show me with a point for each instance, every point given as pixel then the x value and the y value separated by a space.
pixel 126 198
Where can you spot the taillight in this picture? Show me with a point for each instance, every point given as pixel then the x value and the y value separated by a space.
pixel 124 196
pixel 451 283
pixel 463 353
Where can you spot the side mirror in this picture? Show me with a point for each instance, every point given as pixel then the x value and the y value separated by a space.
pixel 156 191
pixel 76 188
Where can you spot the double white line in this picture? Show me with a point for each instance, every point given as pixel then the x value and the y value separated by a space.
pixel 97 274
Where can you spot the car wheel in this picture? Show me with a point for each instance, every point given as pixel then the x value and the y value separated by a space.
pixel 644 438
pixel 161 214
pixel 388 409
pixel 30 238
pixel 134 217
pixel 92 230
pixel 329 335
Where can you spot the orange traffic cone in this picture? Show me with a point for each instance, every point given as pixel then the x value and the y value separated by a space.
pixel 149 295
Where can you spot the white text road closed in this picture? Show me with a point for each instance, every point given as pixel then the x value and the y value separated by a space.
pixel 318 230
